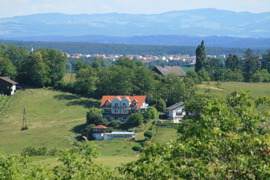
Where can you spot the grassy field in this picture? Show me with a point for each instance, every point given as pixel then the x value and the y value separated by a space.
pixel 223 89
pixel 54 119
pixel 164 134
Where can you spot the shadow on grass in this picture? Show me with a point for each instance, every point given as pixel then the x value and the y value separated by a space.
pixel 78 128
pixel 66 97
pixel 86 103
pixel 75 100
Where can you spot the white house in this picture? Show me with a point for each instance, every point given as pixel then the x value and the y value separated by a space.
pixel 99 133
pixel 176 112
pixel 120 107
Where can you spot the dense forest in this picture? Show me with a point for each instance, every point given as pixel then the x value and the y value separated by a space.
pixel 96 48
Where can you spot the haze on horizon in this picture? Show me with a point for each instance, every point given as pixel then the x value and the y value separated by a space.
pixel 11 8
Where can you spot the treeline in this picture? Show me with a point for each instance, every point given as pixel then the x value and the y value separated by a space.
pixel 248 68
pixel 125 49
pixel 42 67
pixel 127 77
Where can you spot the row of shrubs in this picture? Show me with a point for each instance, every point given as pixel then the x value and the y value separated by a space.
pixel 148 135
pixel 42 151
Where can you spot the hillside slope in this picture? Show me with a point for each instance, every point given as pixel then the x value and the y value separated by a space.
pixel 53 119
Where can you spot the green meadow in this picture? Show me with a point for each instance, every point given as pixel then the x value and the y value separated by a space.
pixel 55 119
pixel 223 89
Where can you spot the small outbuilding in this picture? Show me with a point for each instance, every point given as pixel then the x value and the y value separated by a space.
pixel 99 133
pixel 7 86
pixel 176 112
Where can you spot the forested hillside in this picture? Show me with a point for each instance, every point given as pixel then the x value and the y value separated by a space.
pixel 98 48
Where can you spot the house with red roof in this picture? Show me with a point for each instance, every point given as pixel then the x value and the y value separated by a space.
pixel 7 86
pixel 120 107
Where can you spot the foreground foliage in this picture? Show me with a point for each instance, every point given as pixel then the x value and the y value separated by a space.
pixel 226 139
pixel 76 163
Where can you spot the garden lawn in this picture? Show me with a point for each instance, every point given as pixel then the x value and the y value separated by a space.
pixel 164 135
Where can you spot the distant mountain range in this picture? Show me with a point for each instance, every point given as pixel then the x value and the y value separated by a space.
pixel 217 27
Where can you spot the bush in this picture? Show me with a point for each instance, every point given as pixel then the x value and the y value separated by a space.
pixel 115 124
pixel 137 148
pixel 151 113
pixel 42 151
pixel 161 105
pixel 148 134
pixel 94 116
pixel 168 125
pixel 135 119
pixel 146 139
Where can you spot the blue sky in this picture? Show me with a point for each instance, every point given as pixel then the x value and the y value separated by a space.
pixel 10 8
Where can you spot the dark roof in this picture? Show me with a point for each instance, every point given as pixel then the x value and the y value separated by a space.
pixel 175 106
pixel 7 79
pixel 165 70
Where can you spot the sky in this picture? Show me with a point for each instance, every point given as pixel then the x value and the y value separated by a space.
pixel 10 8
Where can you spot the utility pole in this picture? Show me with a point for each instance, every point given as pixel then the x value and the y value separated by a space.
pixel 24 124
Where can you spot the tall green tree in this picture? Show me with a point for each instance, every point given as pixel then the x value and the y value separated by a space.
pixel 7 68
pixel 266 61
pixel 200 57
pixel 86 79
pixel 252 64
pixel 233 63
pixel 94 116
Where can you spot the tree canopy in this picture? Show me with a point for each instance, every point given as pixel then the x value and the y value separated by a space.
pixel 226 139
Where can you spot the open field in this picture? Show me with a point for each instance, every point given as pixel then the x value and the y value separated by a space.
pixel 53 118
pixel 164 135
pixel 223 89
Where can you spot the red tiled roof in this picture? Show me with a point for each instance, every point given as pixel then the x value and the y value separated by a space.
pixel 122 115
pixel 7 79
pixel 139 99
pixel 99 127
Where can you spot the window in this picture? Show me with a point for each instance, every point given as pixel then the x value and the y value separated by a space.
pixel 115 110
pixel 108 103
pixel 134 103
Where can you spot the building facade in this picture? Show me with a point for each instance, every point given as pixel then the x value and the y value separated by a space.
pixel 176 112
pixel 120 107
pixel 7 86
pixel 99 133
